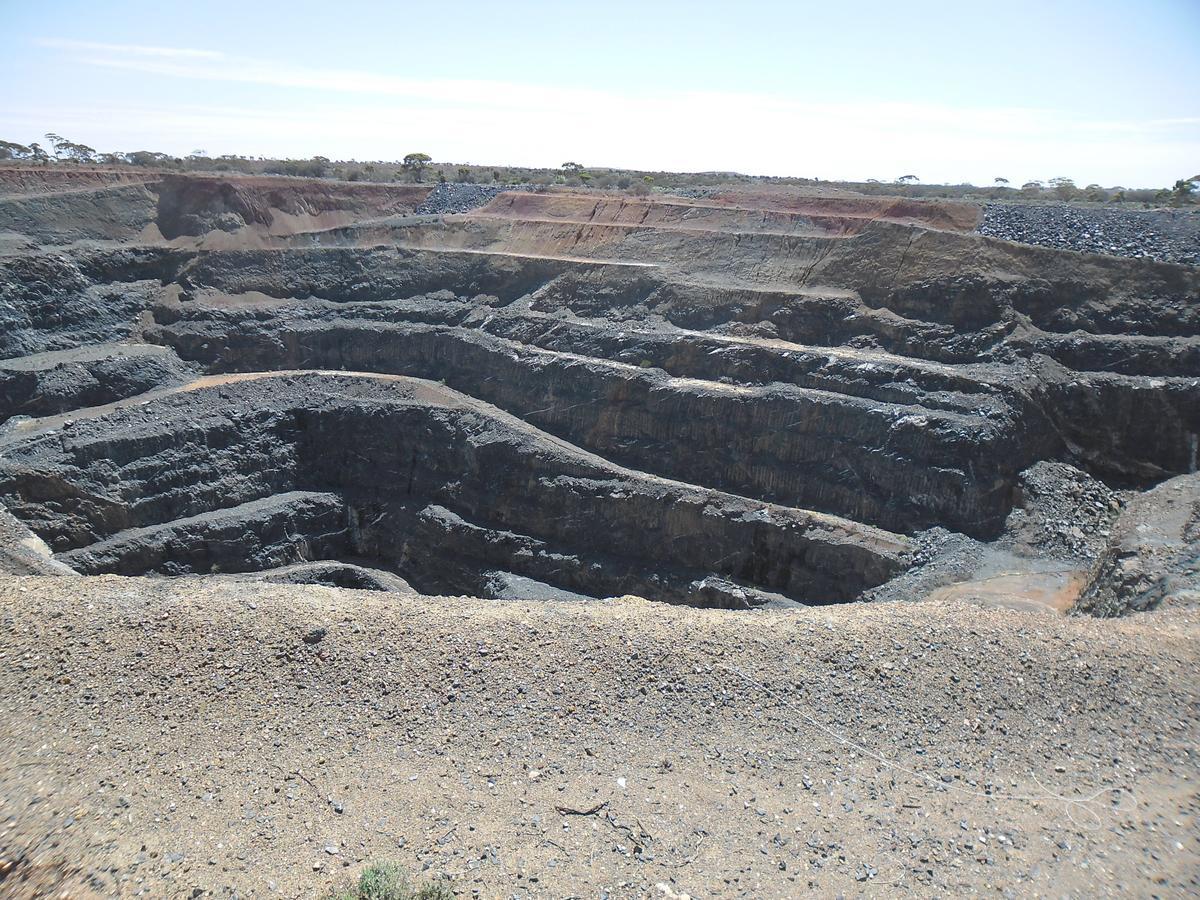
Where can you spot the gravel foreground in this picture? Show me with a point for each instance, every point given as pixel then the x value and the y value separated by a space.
pixel 188 738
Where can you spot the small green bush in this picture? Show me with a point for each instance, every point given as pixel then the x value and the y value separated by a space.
pixel 388 881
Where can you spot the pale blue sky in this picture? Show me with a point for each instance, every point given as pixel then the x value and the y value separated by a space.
pixel 1100 91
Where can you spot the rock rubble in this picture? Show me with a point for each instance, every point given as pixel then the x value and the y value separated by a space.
pixel 452 197
pixel 1166 235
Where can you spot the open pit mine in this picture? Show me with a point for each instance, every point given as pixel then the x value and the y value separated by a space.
pixel 754 403
pixel 730 403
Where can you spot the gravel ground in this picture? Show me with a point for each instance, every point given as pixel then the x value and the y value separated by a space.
pixel 1167 235
pixel 170 738
pixel 458 197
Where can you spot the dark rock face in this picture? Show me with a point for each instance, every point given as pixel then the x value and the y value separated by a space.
pixel 563 397
pixel 259 473
pixel 893 440
pixel 260 534
pixel 49 302
pixel 59 381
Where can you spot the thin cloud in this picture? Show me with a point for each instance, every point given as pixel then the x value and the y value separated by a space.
pixel 211 65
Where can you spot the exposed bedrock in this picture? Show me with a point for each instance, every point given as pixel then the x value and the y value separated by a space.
pixel 892 439
pixel 432 482
pixel 260 534
pixel 1153 555
pixel 190 206
pixel 61 301
pixel 117 212
pixel 62 380
pixel 901 466
pixel 24 553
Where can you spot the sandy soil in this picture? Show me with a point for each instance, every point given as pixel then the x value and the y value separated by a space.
pixel 192 737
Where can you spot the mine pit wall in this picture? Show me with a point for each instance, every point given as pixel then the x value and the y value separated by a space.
pixel 900 468
pixel 64 301
pixel 192 206
pixel 176 491
pixel 500 483
pixel 1069 296
pixel 48 304
pixel 49 383
pixel 663 213
pixel 255 536
pixel 1159 433
pixel 902 465
pixel 117 213
pixel 720 358
pixel 129 470
pixel 380 274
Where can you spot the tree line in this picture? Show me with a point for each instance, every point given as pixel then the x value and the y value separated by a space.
pixel 416 167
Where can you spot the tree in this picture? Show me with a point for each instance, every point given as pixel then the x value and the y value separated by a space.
pixel 415 163
pixel 65 149
pixel 57 141
pixel 572 168
pixel 1064 188
pixel 1001 181
pixel 908 179
pixel 147 158
pixel 37 154
pixel 79 152
pixel 1182 191
pixel 1031 187
pixel 9 150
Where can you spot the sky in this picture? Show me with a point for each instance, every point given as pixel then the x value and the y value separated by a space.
pixel 1095 90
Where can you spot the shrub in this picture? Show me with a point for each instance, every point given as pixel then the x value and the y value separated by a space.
pixel 388 881
pixel 317 167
